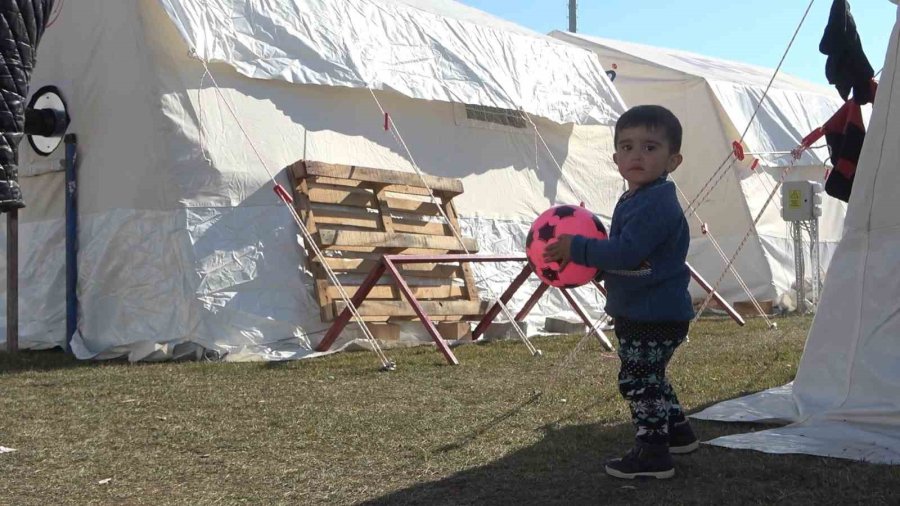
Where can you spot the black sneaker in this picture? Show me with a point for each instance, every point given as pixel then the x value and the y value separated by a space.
pixel 682 439
pixel 644 460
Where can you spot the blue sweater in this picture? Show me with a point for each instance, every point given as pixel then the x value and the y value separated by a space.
pixel 643 261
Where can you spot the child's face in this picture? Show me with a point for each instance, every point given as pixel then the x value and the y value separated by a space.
pixel 643 155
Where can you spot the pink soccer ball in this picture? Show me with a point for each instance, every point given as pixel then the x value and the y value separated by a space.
pixel 547 227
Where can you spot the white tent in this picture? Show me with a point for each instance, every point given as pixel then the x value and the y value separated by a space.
pixel 845 400
pixel 183 243
pixel 715 100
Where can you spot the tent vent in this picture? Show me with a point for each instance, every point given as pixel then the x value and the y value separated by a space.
pixel 506 117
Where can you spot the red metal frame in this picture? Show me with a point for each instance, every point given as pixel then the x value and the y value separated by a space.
pixel 389 264
pixel 709 289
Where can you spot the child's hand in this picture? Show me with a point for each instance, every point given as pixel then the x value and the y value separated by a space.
pixel 559 251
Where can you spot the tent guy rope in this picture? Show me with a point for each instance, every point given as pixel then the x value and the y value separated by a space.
pixel 286 199
pixel 391 126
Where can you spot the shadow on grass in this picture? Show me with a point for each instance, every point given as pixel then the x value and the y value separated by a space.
pixel 566 467
pixel 42 360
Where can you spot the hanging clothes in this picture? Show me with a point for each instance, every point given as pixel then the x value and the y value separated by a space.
pixel 25 21
pixel 847 66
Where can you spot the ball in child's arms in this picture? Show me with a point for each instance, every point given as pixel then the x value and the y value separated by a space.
pixel 553 222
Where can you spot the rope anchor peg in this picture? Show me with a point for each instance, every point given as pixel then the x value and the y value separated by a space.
pixel 282 194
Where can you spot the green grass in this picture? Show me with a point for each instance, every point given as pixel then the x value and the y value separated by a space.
pixel 501 428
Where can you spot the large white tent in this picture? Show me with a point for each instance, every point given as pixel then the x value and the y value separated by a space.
pixel 183 243
pixel 845 400
pixel 715 101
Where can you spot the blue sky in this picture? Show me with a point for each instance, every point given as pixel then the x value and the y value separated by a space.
pixel 753 31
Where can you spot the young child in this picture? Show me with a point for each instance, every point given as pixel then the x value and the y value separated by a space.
pixel 646 278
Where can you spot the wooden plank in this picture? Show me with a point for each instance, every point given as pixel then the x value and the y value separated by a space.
pixel 403 189
pixel 336 239
pixel 455 330
pixel 331 194
pixel 303 169
pixel 387 224
pixel 374 250
pixel 420 227
pixel 336 181
pixel 385 331
pixel 359 194
pixel 363 266
pixel 384 318
pixel 346 216
pixel 304 207
pixel 468 275
pixel 326 308
pixel 412 206
pixel 392 308
pixel 394 190
pixel 391 292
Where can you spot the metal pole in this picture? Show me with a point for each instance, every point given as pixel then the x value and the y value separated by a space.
pixel 12 281
pixel 573 16
pixel 815 266
pixel 800 276
pixel 504 299
pixel 71 240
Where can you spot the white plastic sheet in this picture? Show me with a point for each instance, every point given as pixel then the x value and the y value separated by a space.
pixel 184 249
pixel 425 49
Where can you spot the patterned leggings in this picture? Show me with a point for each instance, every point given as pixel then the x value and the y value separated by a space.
pixel 644 350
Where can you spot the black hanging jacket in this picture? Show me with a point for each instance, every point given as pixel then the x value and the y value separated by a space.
pixel 21 26
pixel 847 66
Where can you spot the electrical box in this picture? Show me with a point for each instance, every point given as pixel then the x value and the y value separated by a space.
pixel 801 200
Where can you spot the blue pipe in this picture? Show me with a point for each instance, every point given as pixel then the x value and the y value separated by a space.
pixel 71 239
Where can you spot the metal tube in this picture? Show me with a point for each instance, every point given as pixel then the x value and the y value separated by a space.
pixel 12 281
pixel 71 239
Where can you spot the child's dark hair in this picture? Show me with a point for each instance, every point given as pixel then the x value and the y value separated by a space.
pixel 652 117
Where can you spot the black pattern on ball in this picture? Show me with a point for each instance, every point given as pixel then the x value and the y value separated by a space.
pixel 547 232
pixel 599 224
pixel 564 211
pixel 549 274
pixel 529 238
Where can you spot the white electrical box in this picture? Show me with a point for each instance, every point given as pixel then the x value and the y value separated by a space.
pixel 801 200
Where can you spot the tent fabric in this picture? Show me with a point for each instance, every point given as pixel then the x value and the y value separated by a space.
pixel 844 401
pixel 715 100
pixel 426 49
pixel 184 248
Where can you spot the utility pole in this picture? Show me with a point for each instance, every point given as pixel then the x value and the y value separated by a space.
pixel 573 16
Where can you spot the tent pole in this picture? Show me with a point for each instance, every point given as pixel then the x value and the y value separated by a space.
pixel 12 281
pixel 71 240
pixel 573 16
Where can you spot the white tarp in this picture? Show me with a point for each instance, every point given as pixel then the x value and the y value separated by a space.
pixel 426 49
pixel 845 400
pixel 715 100
pixel 183 244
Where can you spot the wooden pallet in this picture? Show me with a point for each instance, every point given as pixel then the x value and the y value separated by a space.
pixel 357 214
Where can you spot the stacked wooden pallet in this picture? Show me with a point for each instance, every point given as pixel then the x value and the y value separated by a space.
pixel 357 214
